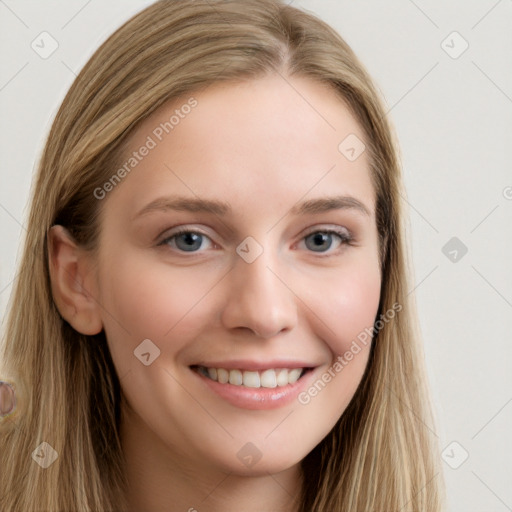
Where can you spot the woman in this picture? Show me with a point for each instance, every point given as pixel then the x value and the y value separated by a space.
pixel 212 308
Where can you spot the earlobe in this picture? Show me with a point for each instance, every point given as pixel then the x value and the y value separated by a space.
pixel 72 282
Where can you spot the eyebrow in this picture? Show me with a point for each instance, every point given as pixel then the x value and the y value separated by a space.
pixel 325 204
pixel 190 204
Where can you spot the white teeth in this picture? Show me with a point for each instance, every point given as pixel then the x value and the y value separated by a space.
pixel 293 375
pixel 271 378
pixel 268 379
pixel 222 376
pixel 252 379
pixel 235 377
pixel 282 377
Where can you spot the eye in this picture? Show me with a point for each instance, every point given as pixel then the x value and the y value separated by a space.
pixel 324 240
pixel 187 241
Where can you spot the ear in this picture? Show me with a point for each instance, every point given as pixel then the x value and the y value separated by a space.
pixel 73 283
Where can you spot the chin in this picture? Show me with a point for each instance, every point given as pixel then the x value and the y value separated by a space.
pixel 245 464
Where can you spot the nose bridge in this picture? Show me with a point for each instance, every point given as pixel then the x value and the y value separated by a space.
pixel 258 299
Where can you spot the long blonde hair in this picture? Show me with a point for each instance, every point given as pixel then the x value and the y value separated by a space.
pixel 381 455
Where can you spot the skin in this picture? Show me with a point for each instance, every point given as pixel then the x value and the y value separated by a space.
pixel 263 147
pixel 7 400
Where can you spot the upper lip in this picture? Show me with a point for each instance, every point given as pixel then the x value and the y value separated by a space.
pixel 251 364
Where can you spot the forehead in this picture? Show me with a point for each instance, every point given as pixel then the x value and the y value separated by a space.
pixel 276 137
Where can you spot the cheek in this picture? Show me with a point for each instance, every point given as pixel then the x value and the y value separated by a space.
pixel 347 302
pixel 347 308
pixel 357 306
pixel 152 301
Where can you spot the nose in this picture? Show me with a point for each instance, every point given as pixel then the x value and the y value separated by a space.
pixel 259 299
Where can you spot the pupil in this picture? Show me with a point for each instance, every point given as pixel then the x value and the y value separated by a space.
pixel 190 241
pixel 321 241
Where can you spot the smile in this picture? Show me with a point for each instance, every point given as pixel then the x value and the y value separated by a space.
pixel 270 378
pixel 252 384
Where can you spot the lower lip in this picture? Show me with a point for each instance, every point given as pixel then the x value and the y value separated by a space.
pixel 258 398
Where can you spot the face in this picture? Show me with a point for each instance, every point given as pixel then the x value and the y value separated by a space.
pixel 241 247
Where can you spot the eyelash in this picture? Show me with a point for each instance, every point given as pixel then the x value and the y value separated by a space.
pixel 345 238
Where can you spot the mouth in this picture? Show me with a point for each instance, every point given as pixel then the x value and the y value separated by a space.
pixel 265 378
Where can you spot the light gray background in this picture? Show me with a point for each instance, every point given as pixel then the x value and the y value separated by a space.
pixel 453 117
